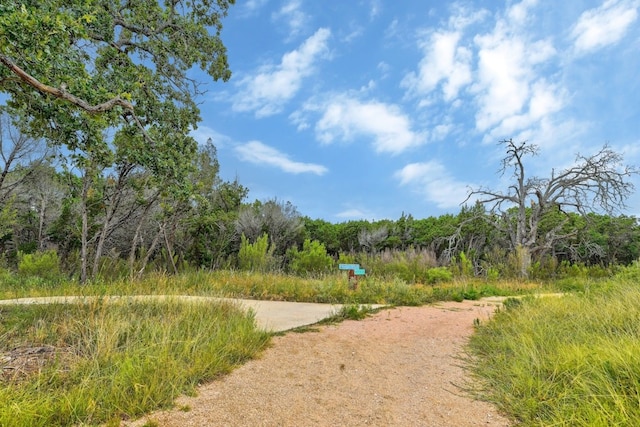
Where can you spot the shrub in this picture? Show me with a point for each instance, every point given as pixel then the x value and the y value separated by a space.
pixel 256 256
pixel 312 259
pixel 344 258
pixel 41 264
pixel 438 275
pixel 463 265
pixel 630 272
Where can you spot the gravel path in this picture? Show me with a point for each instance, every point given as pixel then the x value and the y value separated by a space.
pixel 399 367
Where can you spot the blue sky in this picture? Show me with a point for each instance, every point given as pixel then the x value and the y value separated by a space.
pixel 365 109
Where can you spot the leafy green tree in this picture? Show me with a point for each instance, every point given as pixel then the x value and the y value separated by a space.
pixel 8 219
pixel 75 69
pixel 348 234
pixel 211 230
pixel 323 231
pixel 117 64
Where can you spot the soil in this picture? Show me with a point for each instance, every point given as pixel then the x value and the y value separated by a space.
pixel 23 362
pixel 399 367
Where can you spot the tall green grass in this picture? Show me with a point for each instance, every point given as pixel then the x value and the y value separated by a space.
pixel 573 360
pixel 121 359
pixel 324 288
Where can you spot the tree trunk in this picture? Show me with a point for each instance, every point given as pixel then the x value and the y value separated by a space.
pixel 524 257
pixel 86 184
pixel 136 236
pixel 147 257
pixel 43 209
pixel 169 248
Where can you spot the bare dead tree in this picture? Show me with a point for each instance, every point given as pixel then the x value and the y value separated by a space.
pixel 599 182
pixel 371 239
pixel 17 150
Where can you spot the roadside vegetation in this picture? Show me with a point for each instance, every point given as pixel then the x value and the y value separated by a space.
pixel 571 360
pixel 105 362
pixel 328 288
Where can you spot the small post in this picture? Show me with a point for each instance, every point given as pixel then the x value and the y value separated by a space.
pixel 353 271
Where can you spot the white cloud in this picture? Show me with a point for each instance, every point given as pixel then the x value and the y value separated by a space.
pixel 511 93
pixel 446 62
pixel 292 13
pixel 374 9
pixel 261 154
pixel 356 31
pixel 433 181
pixel 271 87
pixel 605 25
pixel 344 118
pixel 203 133
pixel 443 62
pixel 251 7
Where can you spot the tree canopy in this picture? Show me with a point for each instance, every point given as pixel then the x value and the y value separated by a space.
pixel 67 64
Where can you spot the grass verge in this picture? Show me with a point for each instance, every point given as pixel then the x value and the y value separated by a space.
pixel 118 360
pixel 331 288
pixel 571 360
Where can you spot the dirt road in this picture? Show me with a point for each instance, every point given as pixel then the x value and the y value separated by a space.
pixel 399 367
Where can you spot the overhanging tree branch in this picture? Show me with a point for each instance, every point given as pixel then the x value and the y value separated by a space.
pixel 62 93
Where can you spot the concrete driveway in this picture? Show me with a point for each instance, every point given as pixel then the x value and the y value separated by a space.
pixel 274 316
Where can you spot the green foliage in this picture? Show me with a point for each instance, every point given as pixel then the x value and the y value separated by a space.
pixel 42 264
pixel 119 359
pixel 492 274
pixel 312 259
pixel 631 273
pixel 564 360
pixel 346 258
pixel 8 216
pixel 438 275
pixel 463 265
pixel 109 83
pixel 256 256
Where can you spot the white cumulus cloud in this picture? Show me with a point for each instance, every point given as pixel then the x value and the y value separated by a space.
pixel 444 62
pixel 511 90
pixel 268 90
pixel 604 25
pixel 344 119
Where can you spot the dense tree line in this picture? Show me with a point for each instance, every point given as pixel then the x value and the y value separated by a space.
pixel 99 166
pixel 126 220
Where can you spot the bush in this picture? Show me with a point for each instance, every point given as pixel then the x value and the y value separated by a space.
pixel 463 265
pixel 312 259
pixel 256 256
pixel 438 275
pixel 42 264
pixel 630 272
